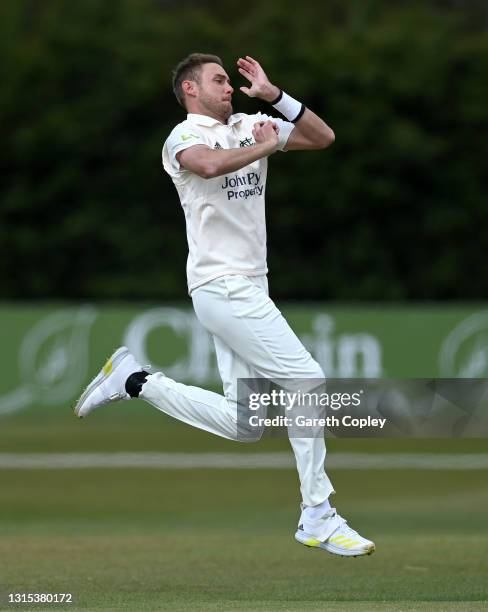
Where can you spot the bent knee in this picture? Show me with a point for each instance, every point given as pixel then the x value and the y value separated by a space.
pixel 249 435
pixel 249 439
pixel 311 369
pixel 317 371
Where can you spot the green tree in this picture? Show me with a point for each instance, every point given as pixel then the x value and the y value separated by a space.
pixel 396 209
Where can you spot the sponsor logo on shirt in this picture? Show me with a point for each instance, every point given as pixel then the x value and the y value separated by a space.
pixel 217 145
pixel 249 182
pixel 186 137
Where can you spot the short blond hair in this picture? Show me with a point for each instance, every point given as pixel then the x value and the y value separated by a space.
pixel 190 69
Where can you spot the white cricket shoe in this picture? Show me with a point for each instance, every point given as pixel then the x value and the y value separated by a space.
pixel 109 384
pixel 332 533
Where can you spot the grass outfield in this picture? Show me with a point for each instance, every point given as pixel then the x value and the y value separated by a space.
pixel 222 540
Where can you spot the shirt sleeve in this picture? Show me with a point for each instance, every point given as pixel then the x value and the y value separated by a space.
pixel 181 138
pixel 285 128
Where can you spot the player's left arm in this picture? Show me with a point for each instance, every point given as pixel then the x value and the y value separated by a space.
pixel 310 131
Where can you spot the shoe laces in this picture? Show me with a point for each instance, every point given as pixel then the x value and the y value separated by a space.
pixel 349 530
pixel 343 526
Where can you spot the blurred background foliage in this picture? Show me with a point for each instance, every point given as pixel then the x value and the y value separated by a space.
pixel 395 210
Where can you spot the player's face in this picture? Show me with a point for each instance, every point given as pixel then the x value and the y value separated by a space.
pixel 215 91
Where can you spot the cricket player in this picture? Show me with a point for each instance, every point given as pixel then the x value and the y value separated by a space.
pixel 218 162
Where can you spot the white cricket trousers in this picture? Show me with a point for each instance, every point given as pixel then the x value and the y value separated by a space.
pixel 252 339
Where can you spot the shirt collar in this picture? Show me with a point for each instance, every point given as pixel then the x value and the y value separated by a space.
pixel 210 121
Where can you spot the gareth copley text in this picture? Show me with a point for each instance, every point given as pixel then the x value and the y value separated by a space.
pixel 306 421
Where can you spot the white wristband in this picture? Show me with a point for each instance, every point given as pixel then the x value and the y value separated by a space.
pixel 289 107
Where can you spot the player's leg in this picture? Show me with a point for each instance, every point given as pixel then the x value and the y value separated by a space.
pixel 198 407
pixel 123 378
pixel 258 333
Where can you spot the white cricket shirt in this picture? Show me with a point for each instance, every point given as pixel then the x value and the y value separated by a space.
pixel 225 215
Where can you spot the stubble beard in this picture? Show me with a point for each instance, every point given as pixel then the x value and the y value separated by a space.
pixel 223 110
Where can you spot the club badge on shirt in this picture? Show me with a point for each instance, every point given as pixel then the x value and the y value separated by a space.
pixel 247 142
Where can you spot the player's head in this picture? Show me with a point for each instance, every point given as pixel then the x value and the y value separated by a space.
pixel 201 85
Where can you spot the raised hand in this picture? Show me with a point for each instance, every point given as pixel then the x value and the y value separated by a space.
pixel 261 87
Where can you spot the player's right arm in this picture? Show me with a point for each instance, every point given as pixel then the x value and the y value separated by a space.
pixel 209 163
